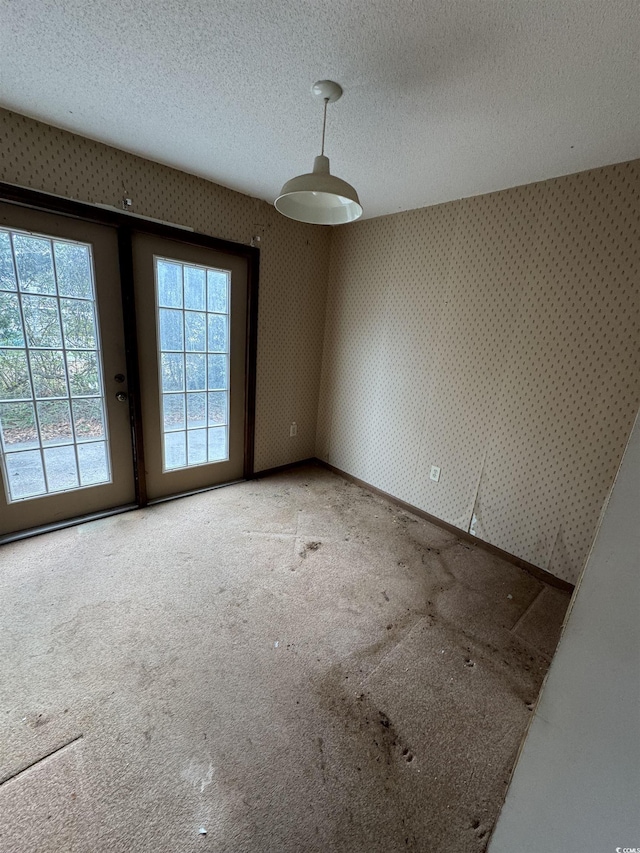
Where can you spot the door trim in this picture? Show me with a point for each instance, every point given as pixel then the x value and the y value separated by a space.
pixel 125 224
pixel 125 255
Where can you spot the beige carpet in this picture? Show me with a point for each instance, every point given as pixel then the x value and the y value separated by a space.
pixel 289 664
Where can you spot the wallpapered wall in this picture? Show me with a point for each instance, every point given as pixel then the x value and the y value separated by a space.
pixel 498 338
pixel 293 259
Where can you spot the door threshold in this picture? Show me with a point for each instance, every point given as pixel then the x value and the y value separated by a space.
pixel 60 525
pixel 194 492
pixel 106 513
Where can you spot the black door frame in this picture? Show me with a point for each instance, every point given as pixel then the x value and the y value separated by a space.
pixel 126 225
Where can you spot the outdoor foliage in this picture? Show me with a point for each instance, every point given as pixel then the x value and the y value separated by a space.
pixel 55 337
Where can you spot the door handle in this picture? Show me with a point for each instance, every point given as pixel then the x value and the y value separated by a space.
pixel 121 397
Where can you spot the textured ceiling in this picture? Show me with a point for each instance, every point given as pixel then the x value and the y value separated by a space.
pixel 442 99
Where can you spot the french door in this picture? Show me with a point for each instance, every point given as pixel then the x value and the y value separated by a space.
pixel 67 417
pixel 191 307
pixel 65 439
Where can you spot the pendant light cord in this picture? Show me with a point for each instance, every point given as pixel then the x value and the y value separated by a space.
pixel 324 124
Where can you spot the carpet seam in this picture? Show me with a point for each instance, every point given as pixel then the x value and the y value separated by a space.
pixel 33 764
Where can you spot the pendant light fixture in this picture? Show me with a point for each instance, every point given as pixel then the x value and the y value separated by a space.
pixel 319 197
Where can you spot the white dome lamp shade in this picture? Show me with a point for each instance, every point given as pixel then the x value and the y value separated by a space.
pixel 319 197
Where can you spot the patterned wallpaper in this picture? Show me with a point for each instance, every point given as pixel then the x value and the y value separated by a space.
pixel 498 338
pixel 293 259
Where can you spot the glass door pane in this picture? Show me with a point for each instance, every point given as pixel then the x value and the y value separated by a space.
pixel 53 431
pixel 192 316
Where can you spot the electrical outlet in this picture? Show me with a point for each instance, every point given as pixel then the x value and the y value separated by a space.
pixel 435 474
pixel 293 430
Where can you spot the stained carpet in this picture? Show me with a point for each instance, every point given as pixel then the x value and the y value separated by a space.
pixel 291 664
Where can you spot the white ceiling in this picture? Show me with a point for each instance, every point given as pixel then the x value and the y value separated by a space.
pixel 443 98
